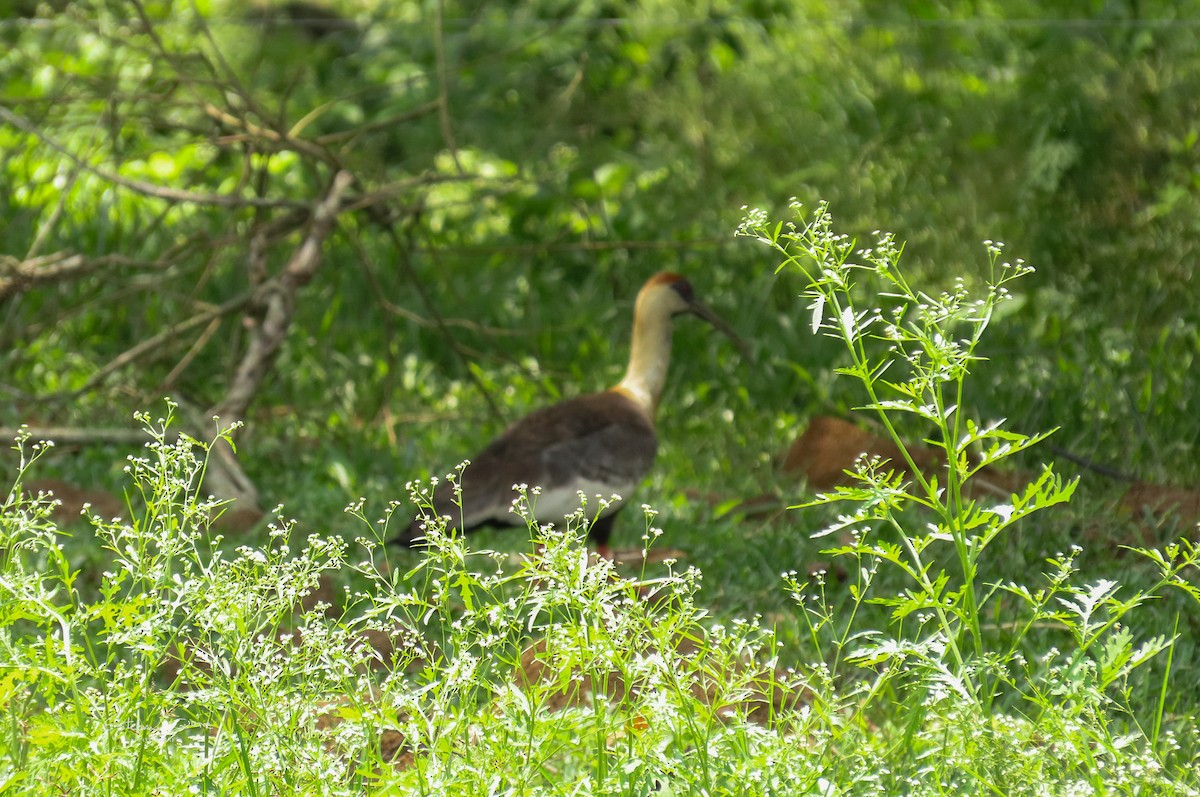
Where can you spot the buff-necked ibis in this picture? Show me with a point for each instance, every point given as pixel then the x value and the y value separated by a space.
pixel 601 444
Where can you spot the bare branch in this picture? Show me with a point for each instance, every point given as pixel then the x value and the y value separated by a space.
pixel 261 134
pixel 151 344
pixel 378 124
pixel 18 275
pixel 304 262
pixel 279 298
pixel 223 477
pixel 168 381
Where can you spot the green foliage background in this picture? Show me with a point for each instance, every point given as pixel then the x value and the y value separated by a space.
pixel 522 167
pixel 585 147
pixel 582 147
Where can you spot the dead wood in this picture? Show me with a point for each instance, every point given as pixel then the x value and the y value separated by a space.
pixel 157 342
pixel 224 478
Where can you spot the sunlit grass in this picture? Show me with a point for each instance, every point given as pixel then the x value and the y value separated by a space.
pixel 943 644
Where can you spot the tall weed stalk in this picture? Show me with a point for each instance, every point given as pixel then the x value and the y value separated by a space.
pixel 968 690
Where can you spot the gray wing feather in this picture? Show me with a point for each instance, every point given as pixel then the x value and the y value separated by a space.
pixel 611 455
pixel 602 437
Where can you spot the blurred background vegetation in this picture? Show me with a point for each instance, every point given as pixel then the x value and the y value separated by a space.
pixel 521 167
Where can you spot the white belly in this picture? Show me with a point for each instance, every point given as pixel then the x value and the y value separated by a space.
pixel 553 506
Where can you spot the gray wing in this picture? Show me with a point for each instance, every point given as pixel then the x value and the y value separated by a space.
pixel 600 438
pixel 617 454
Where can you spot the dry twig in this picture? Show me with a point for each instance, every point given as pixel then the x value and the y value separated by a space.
pixel 157 341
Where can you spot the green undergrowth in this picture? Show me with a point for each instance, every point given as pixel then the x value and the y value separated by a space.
pixel 940 651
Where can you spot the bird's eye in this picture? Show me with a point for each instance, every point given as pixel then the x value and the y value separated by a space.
pixel 684 289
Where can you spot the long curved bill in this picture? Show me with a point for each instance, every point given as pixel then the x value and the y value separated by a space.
pixel 702 310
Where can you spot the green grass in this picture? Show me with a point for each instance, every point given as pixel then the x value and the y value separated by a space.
pixel 950 645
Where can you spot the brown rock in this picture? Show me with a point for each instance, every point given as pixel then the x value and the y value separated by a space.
pixel 1153 499
pixel 769 695
pixel 72 499
pixel 829 447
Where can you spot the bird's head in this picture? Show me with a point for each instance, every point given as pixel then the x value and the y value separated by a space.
pixel 668 294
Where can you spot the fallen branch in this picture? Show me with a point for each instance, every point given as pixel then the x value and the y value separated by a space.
pixel 168 382
pixel 223 477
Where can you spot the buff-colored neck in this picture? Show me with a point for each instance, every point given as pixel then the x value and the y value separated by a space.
pixel 649 357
